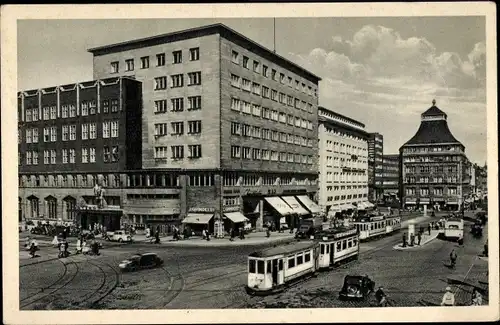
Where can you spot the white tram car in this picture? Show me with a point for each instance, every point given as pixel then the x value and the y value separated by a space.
pixel 392 224
pixel 454 228
pixel 337 246
pixel 373 227
pixel 272 270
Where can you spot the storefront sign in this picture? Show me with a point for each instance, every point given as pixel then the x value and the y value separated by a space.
pixel 207 210
pixel 231 209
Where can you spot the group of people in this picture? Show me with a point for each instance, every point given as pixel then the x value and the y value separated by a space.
pixel 449 298
pixel 232 233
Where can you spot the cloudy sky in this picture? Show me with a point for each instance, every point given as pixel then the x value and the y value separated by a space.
pixel 381 71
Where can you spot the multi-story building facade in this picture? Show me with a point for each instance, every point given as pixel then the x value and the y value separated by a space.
pixel 237 119
pixel 390 178
pixel 434 169
pixel 72 138
pixel 343 163
pixel 375 166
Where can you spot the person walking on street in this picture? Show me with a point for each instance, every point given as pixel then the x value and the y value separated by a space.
pixel 404 240
pixel 242 233
pixel 453 258
pixel 412 239
pixel 419 235
pixel 231 234
pixel 429 227
pixel 448 298
pixel 381 297
pixel 477 298
pixel 203 234
pixel 268 232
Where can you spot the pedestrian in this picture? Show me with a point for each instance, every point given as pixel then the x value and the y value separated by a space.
pixel 460 240
pixel 477 298
pixel 404 240
pixel 448 298
pixel 381 297
pixel 412 239
pixel 268 233
pixel 429 229
pixel 157 236
pixel 419 235
pixel 231 234
pixel 208 235
pixel 242 233
pixel 203 234
pixel 78 246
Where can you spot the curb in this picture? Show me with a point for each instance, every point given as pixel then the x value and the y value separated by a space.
pixel 400 248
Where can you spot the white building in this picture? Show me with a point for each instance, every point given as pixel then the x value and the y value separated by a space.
pixel 343 163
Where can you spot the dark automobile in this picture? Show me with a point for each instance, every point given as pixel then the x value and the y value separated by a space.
pixel 477 229
pixel 141 261
pixel 356 287
pixel 482 217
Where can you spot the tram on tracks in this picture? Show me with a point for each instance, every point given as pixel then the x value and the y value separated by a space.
pixel 376 226
pixel 274 269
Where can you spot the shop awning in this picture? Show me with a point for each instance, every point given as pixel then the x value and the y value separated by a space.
pixel 279 205
pixel 368 204
pixel 348 206
pixel 236 216
pixel 309 204
pixel 362 205
pixel 295 205
pixel 198 218
pixel 411 202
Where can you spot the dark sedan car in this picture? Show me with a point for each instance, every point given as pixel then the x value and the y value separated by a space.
pixel 356 287
pixel 141 261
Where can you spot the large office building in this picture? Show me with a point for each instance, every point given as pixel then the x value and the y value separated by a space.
pixel 375 166
pixel 434 168
pixel 390 179
pixel 228 128
pixel 343 163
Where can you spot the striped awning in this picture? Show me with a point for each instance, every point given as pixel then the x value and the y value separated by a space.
pixel 295 205
pixel 279 205
pixel 198 218
pixel 309 204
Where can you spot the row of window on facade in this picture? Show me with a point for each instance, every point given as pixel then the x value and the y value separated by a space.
pixel 345 135
pixel 161 59
pixel 161 129
pixel 273 74
pixel 177 80
pixel 88 131
pixel 431 159
pixel 253 131
pixel 332 116
pixel 68 156
pixel 235 179
pixel 339 162
pixel 265 154
pixel 343 148
pixel 425 179
pixel 51 207
pixel 269 114
pixel 87 107
pixel 433 169
pixel 345 187
pixel 345 177
pixel 346 197
pixel 266 92
pixel 177 152
pixel 432 149
pixel 177 104
pixel 435 191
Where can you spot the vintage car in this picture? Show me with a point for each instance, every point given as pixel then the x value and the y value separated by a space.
pixel 477 229
pixel 356 287
pixel 482 217
pixel 140 261
pixel 121 236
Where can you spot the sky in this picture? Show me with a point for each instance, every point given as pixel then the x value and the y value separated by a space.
pixel 382 71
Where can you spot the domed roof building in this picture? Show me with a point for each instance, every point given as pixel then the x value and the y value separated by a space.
pixel 434 168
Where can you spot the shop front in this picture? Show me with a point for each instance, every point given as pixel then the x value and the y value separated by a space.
pixel 198 220
pixel 280 212
pixel 91 217
pixel 235 220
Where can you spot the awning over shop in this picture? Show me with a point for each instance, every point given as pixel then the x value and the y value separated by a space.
pixel 279 205
pixel 198 218
pixel 348 206
pixel 295 205
pixel 411 202
pixel 310 205
pixel 236 216
pixel 368 204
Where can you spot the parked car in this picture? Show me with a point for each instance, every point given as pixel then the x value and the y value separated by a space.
pixel 121 236
pixel 356 287
pixel 140 261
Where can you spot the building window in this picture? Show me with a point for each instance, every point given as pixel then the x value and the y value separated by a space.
pixel 93 131
pixel 160 59
pixel 53 156
pixel 245 62
pixel 72 132
pixel 106 154
pixel 53 133
pixel 274 95
pixel 29 156
pixel 247 108
pixel 177 152
pixel 246 84
pixel 115 155
pixel 53 112
pixel 115 67
pixel 290 82
pixel 177 80
pixel 235 152
pixel 194 54
pixel 235 104
pixel 274 155
pixel 245 152
pixel 85 108
pixel 71 156
pixel 194 127
pixel 114 129
pixel 46 157
pixel 256 110
pixel 160 129
pixel 177 128
pixel 35 136
pixel 129 64
pixel 65 156
pixel 256 66
pixel 256 88
pixel 177 104
pixel 28 115
pixel 256 154
pixel 265 92
pixel 46 113
pixel 282 78
pixel 106 131
pixel 46 135
pixel 235 128
pixel 29 133
pixel 145 62
pixel 92 155
pixel 265 71
pixel 245 130
pixel 235 57
pixel 65 133
pixel 235 81
pixel 160 83
pixel 105 106
pixel 194 78
pixel 161 152
pixel 282 98
pixel 177 57
pixel 72 111
pixel 194 151
pixel 194 103
pixel 161 106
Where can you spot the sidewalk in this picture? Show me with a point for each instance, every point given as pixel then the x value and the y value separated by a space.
pixel 425 240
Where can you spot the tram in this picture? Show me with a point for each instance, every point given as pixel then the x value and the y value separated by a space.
pixel 274 269
pixel 337 246
pixel 370 227
pixel 392 224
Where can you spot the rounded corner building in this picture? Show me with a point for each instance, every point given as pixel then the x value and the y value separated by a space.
pixel 435 171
